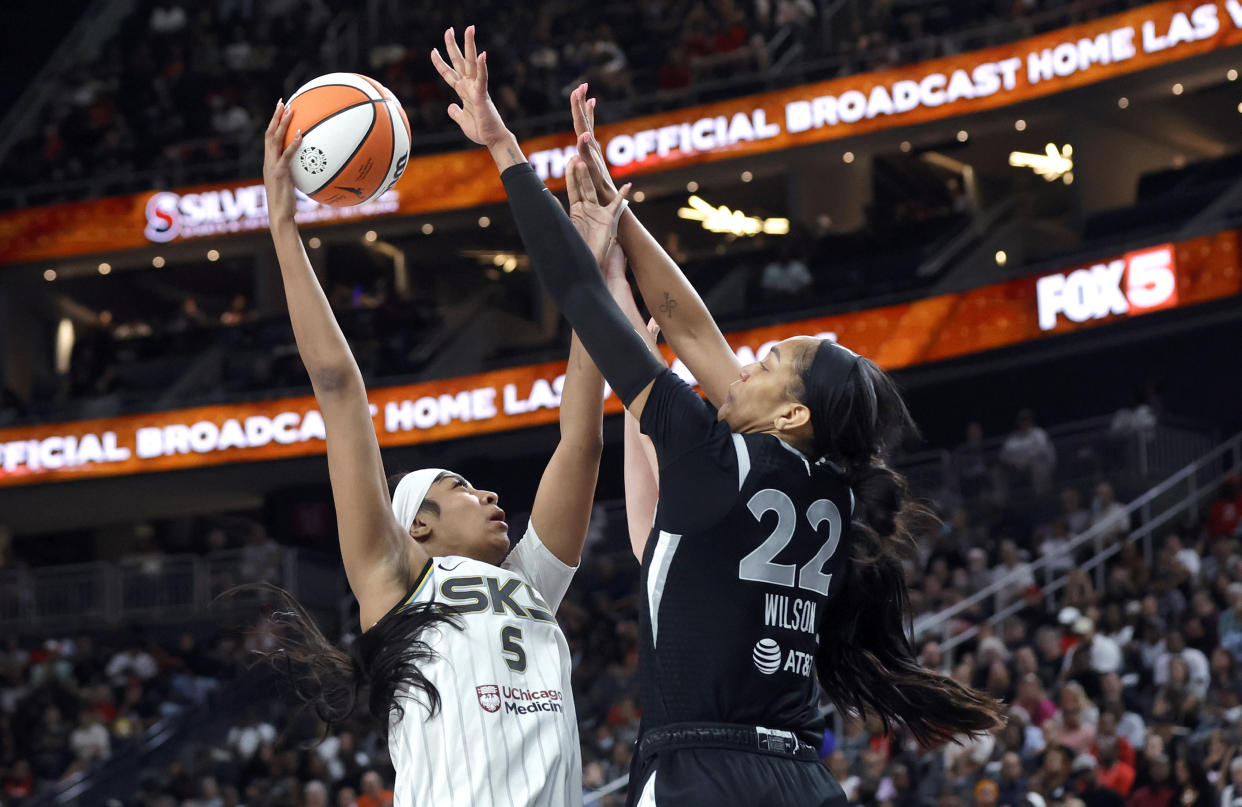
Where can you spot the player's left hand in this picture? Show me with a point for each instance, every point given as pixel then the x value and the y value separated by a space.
pixel 596 223
pixel 277 175
pixel 467 75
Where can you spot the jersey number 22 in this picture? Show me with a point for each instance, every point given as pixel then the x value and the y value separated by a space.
pixel 759 567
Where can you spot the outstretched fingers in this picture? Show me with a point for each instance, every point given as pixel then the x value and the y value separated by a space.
pixel 480 71
pixel 472 53
pixel 577 108
pixel 450 76
pixel 455 55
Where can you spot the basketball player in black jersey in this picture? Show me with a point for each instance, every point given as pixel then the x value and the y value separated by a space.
pixel 773 569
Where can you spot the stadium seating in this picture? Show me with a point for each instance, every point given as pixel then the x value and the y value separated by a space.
pixel 1160 683
pixel 200 79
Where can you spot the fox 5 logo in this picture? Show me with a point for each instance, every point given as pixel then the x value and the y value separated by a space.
pixel 1139 282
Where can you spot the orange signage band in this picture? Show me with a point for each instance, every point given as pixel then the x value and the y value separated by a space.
pixel 1071 57
pixel 933 329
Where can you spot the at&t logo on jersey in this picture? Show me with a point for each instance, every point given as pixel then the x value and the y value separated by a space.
pixel 1138 282
pixel 489 697
pixel 767 656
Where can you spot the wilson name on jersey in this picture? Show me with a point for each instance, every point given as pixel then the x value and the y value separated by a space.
pixel 506 733
pixel 738 573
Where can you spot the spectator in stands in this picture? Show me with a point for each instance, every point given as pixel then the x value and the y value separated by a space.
pixel 238 312
pixel 1053 547
pixel 1113 772
pixel 131 662
pixel 373 792
pixel 54 668
pixel 1231 796
pixel 1092 656
pixel 970 458
pixel 1229 627
pixel 1073 726
pixel 1033 700
pixel 1197 671
pixel 1110 513
pixel 167 17
pixel 1194 788
pixel 1015 572
pixel 19 782
pixel 48 745
pixel 1226 514
pixel 189 316
pixel 1029 452
pixel 90 740
pixel 251 733
pixel 1011 786
pixel 1158 792
pixel 1076 518
pixel 785 276
pixel 261 556
pixel 1054 772
pixel 314 794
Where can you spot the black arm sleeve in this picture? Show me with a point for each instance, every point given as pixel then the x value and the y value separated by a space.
pixel 571 276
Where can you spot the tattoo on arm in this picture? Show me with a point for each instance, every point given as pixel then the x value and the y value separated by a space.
pixel 516 156
pixel 669 305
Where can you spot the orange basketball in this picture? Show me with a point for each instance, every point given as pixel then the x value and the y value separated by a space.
pixel 355 139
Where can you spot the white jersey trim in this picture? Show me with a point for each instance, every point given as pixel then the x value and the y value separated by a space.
pixel 661 560
pixel 743 459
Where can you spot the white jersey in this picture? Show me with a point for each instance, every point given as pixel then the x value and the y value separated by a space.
pixel 506 733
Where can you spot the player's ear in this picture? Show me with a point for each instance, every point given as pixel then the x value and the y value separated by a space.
pixel 420 530
pixel 793 416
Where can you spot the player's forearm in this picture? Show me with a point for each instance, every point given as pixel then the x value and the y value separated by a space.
pixel 619 288
pixel 321 345
pixel 642 486
pixel 582 403
pixel 572 278
pixel 681 313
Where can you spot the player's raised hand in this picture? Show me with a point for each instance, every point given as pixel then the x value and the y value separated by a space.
pixel 589 149
pixel 277 175
pixel 596 222
pixel 467 75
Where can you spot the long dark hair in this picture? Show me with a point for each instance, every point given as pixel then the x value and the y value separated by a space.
pixel 865 661
pixel 379 667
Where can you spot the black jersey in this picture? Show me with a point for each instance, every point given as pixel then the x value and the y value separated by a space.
pixel 749 546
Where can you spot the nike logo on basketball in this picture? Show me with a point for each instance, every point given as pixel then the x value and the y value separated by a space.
pixel 355 191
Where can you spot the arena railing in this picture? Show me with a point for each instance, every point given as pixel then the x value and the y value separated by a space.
pixel 1182 494
pixel 155 589
pixel 845 62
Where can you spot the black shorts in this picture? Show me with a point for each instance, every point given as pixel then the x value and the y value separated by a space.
pixel 708 765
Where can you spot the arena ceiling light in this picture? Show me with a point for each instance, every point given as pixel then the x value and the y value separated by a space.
pixel 734 222
pixel 1051 165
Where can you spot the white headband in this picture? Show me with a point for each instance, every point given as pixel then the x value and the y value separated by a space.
pixel 410 492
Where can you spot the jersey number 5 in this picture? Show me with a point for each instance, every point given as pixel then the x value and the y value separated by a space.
pixel 759 567
pixel 511 648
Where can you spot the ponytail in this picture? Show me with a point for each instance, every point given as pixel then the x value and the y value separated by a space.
pixel 383 667
pixel 865 661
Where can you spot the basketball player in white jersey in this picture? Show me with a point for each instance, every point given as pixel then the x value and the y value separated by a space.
pixel 460 651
